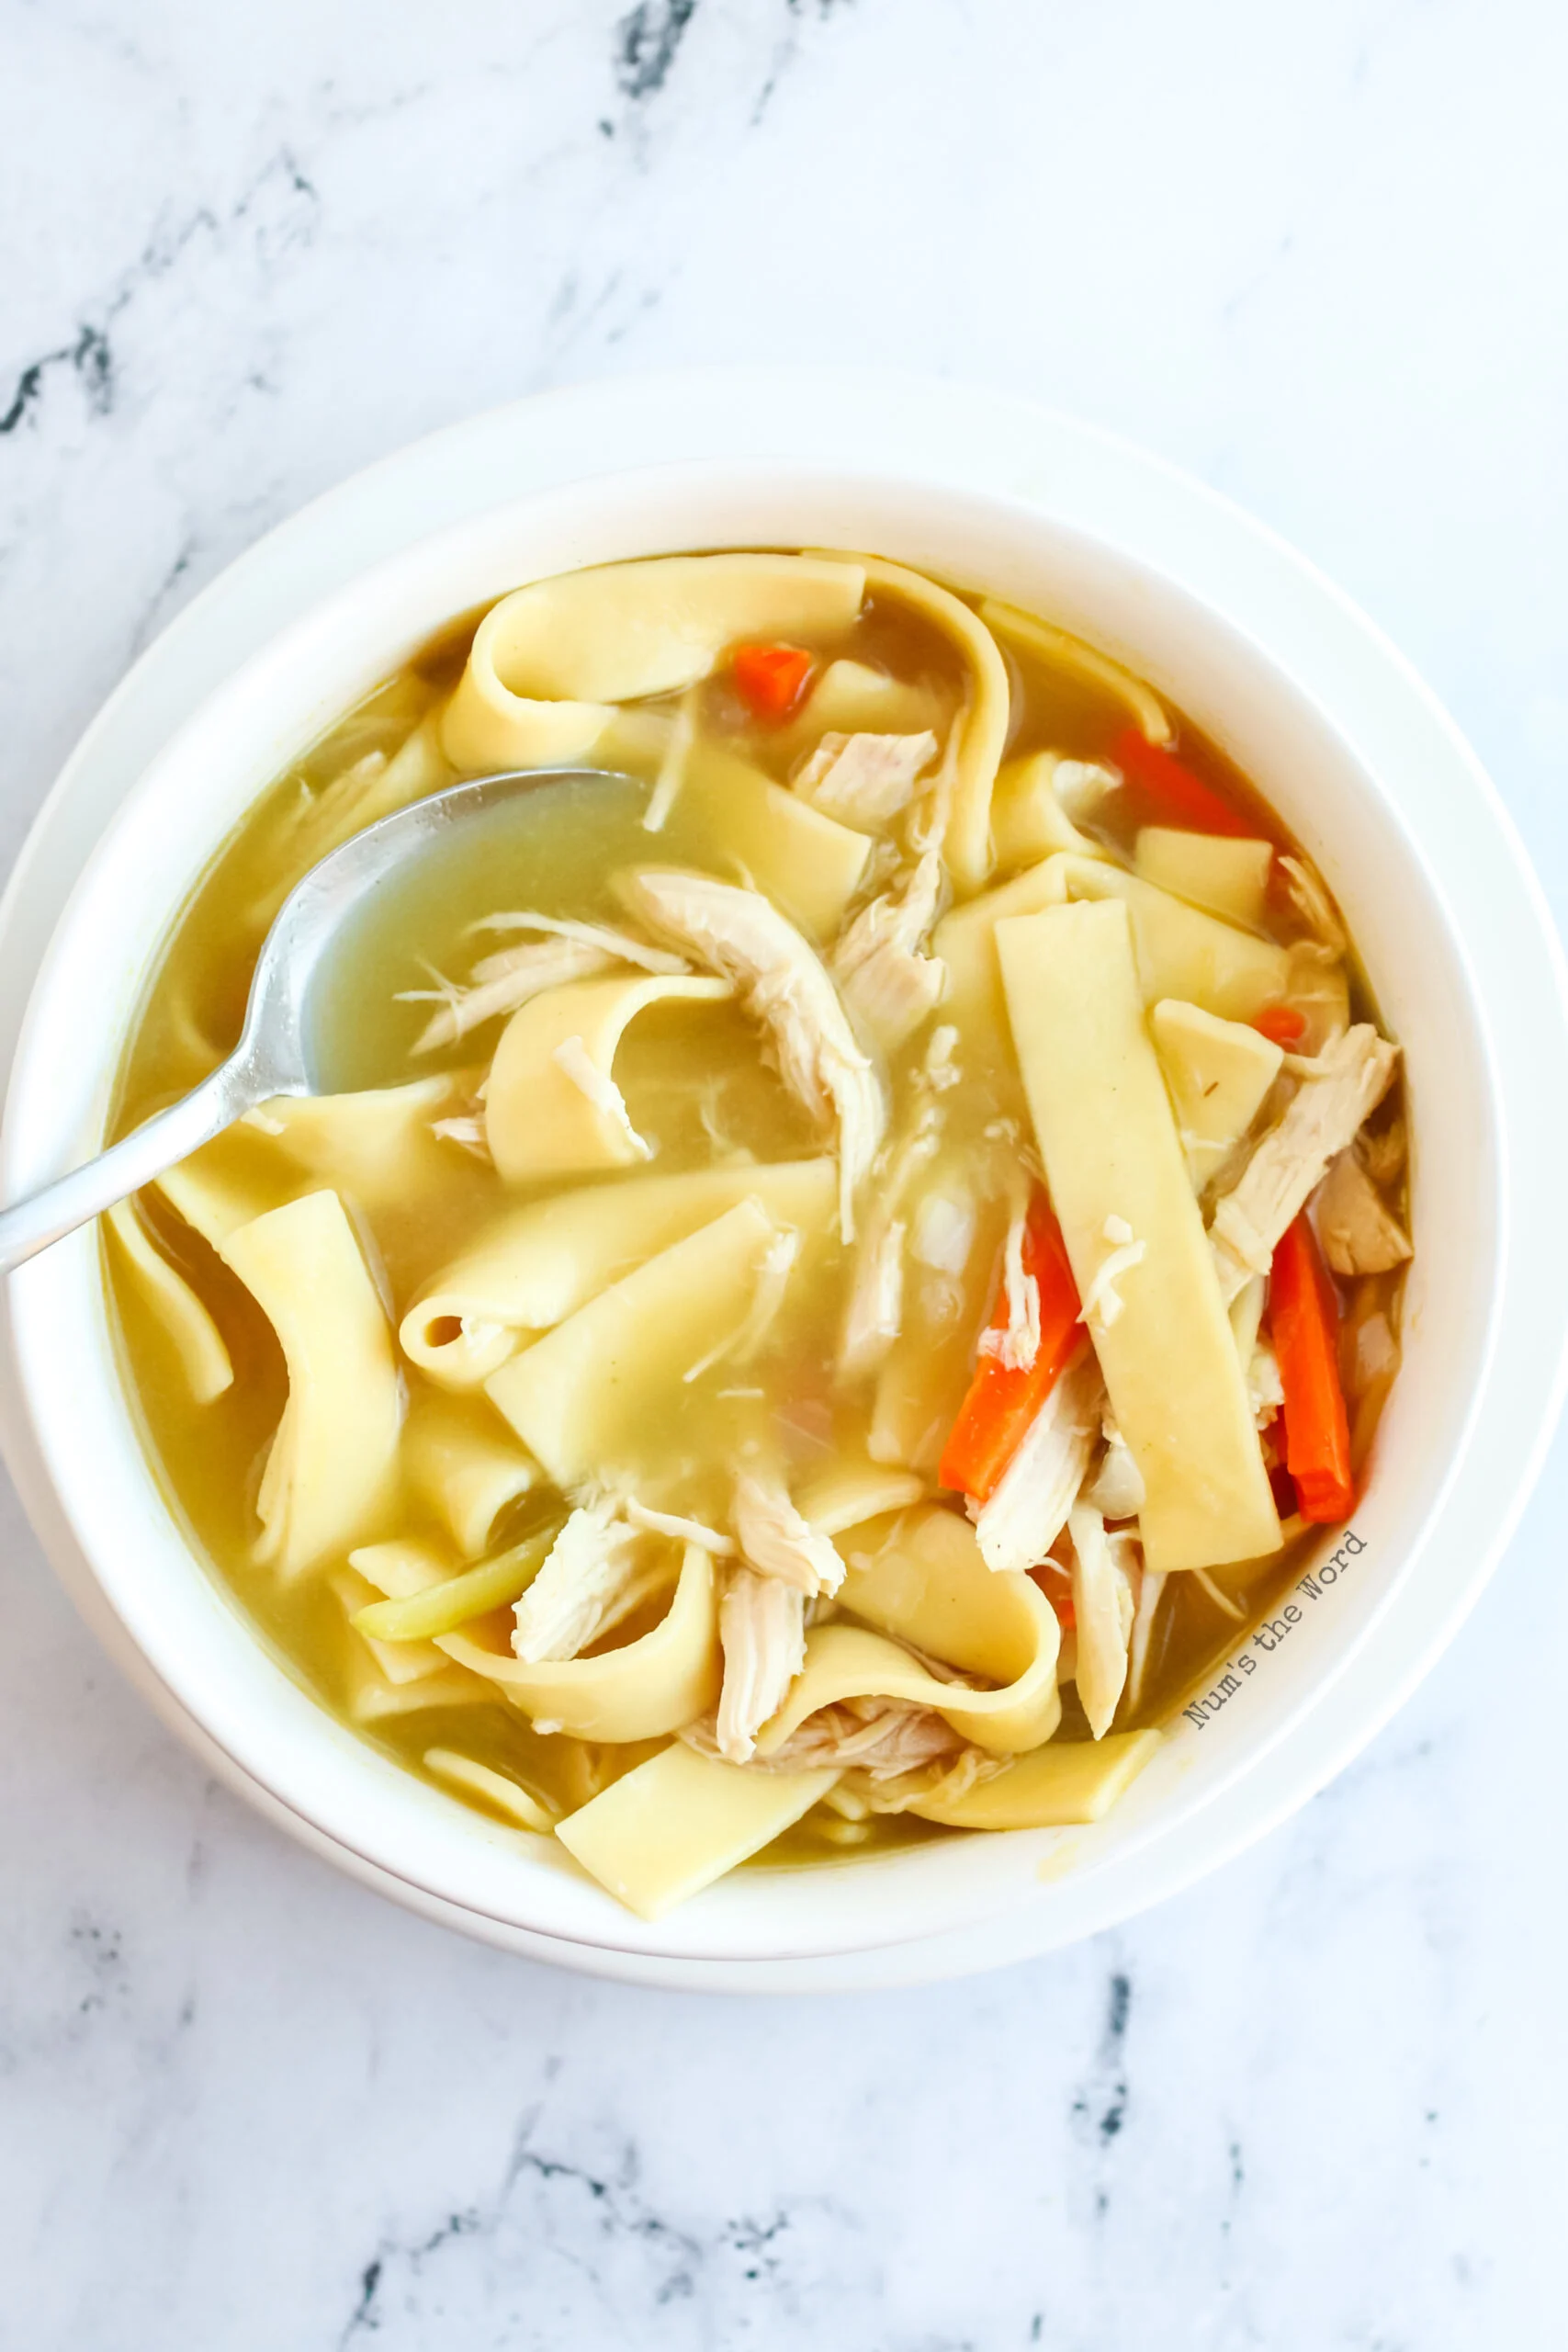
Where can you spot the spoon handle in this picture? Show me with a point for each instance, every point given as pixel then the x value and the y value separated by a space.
pixel 141 1155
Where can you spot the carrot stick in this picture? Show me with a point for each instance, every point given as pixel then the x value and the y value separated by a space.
pixel 1304 1314
pixel 1282 1025
pixel 1003 1399
pixel 770 677
pixel 1179 798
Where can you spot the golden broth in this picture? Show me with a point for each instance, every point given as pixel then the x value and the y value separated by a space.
pixel 695 1084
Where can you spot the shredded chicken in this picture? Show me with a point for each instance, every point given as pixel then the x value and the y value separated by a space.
pixel 672 767
pixel 1081 784
pixel 1117 1491
pixel 500 984
pixel 682 1530
pixel 1360 1234
pixel 1383 1154
pixel 881 1737
pixel 468 1130
pixel 621 944
pixel 1309 896
pixel 967 1769
pixel 587 1581
pixel 1103 1301
pixel 738 934
pixel 1104 1614
pixel 1021 1520
pixel 575 1061
pixel 1265 1391
pixel 1337 1091
pixel 874 1314
pixel 762 1630
pixel 1017 1344
pixel 888 985
pixel 773 1271
pixel 939 1071
pixel 865 779
pixel 776 1541
pixel 944 1232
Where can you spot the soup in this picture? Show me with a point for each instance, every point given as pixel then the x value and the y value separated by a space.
pixel 843 1259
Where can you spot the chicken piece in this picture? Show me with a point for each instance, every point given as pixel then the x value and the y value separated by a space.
pixel 1030 1504
pixel 762 1630
pixel 1102 1302
pixel 1104 1613
pixel 1265 1390
pixel 587 1582
pixel 1359 1233
pixel 501 983
pixel 742 935
pixel 1308 894
pixel 1016 1343
pixel 776 1541
pixel 1337 1092
pixel 1383 1154
pixel 964 1770
pixel 875 1314
pixel 865 779
pixel 881 1737
pixel 747 1341
pixel 888 985
pixel 1118 1490
pixel 679 1528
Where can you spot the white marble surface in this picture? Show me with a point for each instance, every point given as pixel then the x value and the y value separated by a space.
pixel 1315 256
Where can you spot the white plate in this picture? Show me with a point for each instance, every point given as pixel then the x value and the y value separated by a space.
pixel 1270 642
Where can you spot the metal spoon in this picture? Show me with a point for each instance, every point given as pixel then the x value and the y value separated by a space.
pixel 273 1056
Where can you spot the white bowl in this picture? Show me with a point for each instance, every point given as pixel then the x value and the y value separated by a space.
pixel 993 495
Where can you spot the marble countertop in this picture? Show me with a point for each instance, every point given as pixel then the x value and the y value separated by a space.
pixel 1320 2104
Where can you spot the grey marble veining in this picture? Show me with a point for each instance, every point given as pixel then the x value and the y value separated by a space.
pixel 1316 2104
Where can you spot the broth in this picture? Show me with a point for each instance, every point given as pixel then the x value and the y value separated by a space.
pixel 703 1090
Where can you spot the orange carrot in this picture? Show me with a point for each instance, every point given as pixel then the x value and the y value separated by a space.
pixel 770 677
pixel 1003 1399
pixel 1178 796
pixel 1282 1025
pixel 1304 1314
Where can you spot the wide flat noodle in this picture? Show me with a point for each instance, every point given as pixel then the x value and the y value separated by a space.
pixel 1181 951
pixel 466 1467
pixel 675 1823
pixel 374 1147
pixel 540 1264
pixel 920 1578
pixel 551 1110
pixel 331 1471
pixel 1064 651
pixel 198 1343
pixel 549 663
pixel 1071 1782
pixel 639 1691
pixel 1113 1162
pixel 581 1398
pixel 979 736
pixel 806 861
pixel 845 1662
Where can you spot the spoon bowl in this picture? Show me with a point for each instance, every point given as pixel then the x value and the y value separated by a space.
pixel 276 1053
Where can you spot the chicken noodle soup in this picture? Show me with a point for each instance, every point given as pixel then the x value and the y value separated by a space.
pixel 842 1262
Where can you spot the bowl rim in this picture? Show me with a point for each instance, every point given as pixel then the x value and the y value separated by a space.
pixel 1066 441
